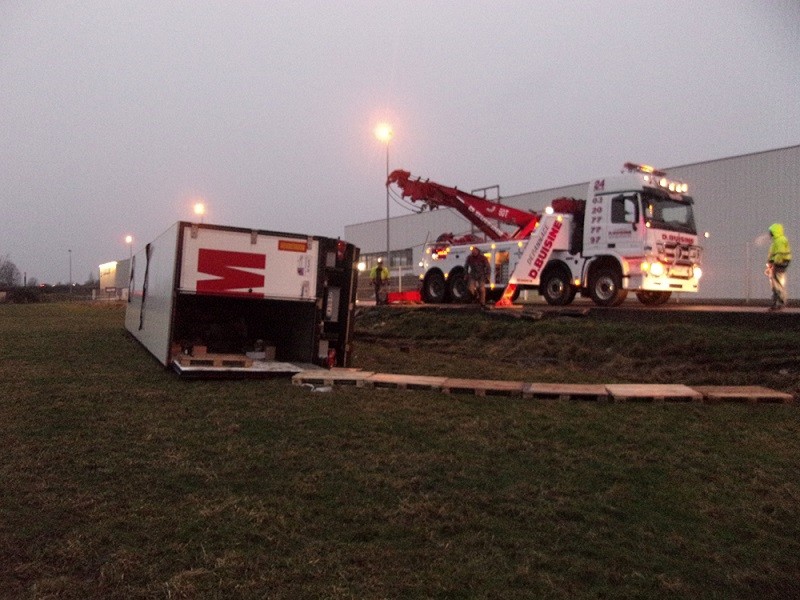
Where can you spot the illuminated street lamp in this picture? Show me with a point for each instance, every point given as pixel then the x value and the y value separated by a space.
pixel 129 241
pixel 200 210
pixel 384 133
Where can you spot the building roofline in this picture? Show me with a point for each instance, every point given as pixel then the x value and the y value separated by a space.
pixel 745 155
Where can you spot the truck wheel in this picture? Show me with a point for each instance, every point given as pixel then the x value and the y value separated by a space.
pixel 556 287
pixel 433 287
pixel 652 298
pixel 457 290
pixel 605 288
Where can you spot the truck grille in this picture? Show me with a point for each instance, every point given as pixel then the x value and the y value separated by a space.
pixel 678 254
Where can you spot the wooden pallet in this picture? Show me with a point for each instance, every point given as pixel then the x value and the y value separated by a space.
pixel 215 360
pixel 621 392
pixel 483 387
pixel 354 377
pixel 565 391
pixel 404 382
pixel 742 393
pixel 653 392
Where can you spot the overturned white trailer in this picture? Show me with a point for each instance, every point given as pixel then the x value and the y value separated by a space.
pixel 211 300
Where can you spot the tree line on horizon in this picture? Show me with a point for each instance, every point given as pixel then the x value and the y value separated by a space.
pixel 11 277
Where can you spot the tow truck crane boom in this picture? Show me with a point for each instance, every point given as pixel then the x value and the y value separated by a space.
pixel 478 211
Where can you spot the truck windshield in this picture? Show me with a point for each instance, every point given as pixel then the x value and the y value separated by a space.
pixel 664 213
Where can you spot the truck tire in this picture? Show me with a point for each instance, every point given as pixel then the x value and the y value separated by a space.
pixel 556 287
pixel 457 291
pixel 652 298
pixel 605 287
pixel 433 287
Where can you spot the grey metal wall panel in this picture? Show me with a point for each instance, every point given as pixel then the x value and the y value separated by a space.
pixel 737 199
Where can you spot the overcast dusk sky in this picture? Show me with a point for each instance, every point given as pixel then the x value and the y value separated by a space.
pixel 116 115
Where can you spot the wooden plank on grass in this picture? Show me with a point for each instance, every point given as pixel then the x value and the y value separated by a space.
pixel 654 392
pixel 565 391
pixel 404 382
pixel 742 393
pixel 483 387
pixel 354 377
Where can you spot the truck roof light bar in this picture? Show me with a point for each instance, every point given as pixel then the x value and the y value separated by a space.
pixel 646 169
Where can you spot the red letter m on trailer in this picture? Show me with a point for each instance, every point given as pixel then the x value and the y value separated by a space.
pixel 227 266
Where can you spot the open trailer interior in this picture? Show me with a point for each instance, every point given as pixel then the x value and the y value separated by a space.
pixel 209 300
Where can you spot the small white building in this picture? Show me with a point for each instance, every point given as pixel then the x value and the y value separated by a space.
pixel 114 277
pixel 736 200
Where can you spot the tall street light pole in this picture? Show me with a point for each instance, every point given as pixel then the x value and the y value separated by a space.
pixel 70 270
pixel 384 133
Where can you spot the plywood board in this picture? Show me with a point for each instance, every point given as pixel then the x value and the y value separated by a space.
pixel 742 393
pixel 405 382
pixel 658 392
pixel 482 387
pixel 332 377
pixel 565 391
pixel 256 368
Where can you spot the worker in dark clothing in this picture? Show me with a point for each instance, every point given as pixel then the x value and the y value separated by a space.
pixel 379 277
pixel 477 267
pixel 778 259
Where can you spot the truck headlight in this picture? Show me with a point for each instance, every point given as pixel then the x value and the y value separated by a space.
pixel 697 272
pixel 656 269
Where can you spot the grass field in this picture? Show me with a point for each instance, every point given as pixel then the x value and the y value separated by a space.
pixel 120 481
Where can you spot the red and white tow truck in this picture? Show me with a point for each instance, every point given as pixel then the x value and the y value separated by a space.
pixel 634 232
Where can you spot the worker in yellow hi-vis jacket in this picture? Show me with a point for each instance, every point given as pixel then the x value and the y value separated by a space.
pixel 379 277
pixel 778 259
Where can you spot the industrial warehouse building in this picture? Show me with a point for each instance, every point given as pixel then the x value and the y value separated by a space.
pixel 736 200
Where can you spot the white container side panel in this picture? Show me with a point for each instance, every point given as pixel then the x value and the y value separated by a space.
pixel 241 263
pixel 149 313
